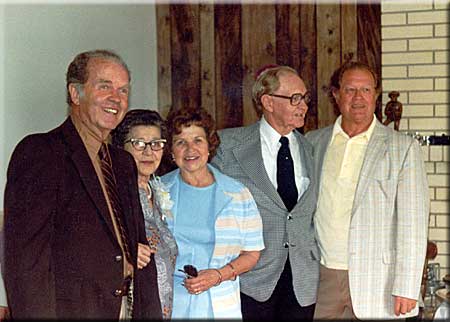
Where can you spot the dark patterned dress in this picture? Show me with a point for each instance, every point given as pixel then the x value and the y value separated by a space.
pixel 160 239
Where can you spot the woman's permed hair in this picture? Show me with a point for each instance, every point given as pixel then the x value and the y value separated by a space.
pixel 177 119
pixel 134 118
pixel 143 117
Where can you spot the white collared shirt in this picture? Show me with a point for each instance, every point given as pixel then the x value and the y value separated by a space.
pixel 270 144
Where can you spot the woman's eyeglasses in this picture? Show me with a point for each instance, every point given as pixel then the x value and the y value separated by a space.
pixel 190 271
pixel 141 145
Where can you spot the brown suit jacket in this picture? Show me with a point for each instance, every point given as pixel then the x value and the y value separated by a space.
pixel 62 258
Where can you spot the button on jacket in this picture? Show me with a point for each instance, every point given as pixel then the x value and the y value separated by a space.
pixel 239 156
pixel 54 202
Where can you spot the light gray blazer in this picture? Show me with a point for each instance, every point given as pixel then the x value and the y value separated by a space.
pixel 389 221
pixel 239 156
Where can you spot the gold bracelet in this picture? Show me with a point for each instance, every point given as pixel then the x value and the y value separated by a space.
pixel 220 277
pixel 233 271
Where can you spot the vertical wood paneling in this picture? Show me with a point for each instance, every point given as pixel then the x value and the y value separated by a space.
pixel 207 59
pixel 185 56
pixel 228 62
pixel 294 30
pixel 328 58
pixel 369 37
pixel 208 53
pixel 258 49
pixel 369 40
pixel 164 59
pixel 287 35
pixel 349 31
pixel 308 60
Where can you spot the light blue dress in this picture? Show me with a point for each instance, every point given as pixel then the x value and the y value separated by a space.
pixel 221 220
pixel 194 232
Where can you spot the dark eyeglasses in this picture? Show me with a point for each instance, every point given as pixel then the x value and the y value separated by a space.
pixel 296 98
pixel 141 145
pixel 189 270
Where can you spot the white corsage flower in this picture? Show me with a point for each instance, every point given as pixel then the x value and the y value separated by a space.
pixel 162 196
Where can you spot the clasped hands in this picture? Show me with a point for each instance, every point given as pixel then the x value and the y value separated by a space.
pixel 199 282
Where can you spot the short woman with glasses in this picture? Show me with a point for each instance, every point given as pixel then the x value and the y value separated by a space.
pixel 215 221
pixel 142 133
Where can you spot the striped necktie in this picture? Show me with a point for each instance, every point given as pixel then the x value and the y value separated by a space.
pixel 111 189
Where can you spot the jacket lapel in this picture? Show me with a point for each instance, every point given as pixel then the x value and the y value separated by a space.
pixel 320 150
pixel 124 188
pixel 88 176
pixel 221 198
pixel 307 170
pixel 249 156
pixel 376 149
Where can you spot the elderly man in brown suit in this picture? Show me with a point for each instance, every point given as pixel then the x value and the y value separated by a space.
pixel 72 219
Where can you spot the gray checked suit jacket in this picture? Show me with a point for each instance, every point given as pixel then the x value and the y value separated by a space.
pixel 239 156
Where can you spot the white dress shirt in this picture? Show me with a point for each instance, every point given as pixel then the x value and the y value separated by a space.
pixel 270 144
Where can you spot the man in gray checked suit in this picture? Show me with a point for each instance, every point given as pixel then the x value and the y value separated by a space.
pixel 275 162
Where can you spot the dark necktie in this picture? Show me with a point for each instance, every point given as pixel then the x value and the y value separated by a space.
pixel 111 189
pixel 285 175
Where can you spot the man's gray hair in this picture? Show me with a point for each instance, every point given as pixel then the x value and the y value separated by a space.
pixel 267 82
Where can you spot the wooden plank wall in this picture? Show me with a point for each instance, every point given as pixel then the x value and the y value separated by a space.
pixel 208 54
pixel 369 41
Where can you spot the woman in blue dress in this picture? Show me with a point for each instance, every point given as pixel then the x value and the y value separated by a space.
pixel 214 219
pixel 142 133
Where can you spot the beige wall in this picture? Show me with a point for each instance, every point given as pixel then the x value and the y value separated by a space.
pixel 415 61
pixel 37 42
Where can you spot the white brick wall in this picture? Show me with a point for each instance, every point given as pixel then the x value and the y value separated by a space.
pixel 415 62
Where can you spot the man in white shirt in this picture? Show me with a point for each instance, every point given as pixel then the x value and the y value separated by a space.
pixel 372 213
pixel 274 161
